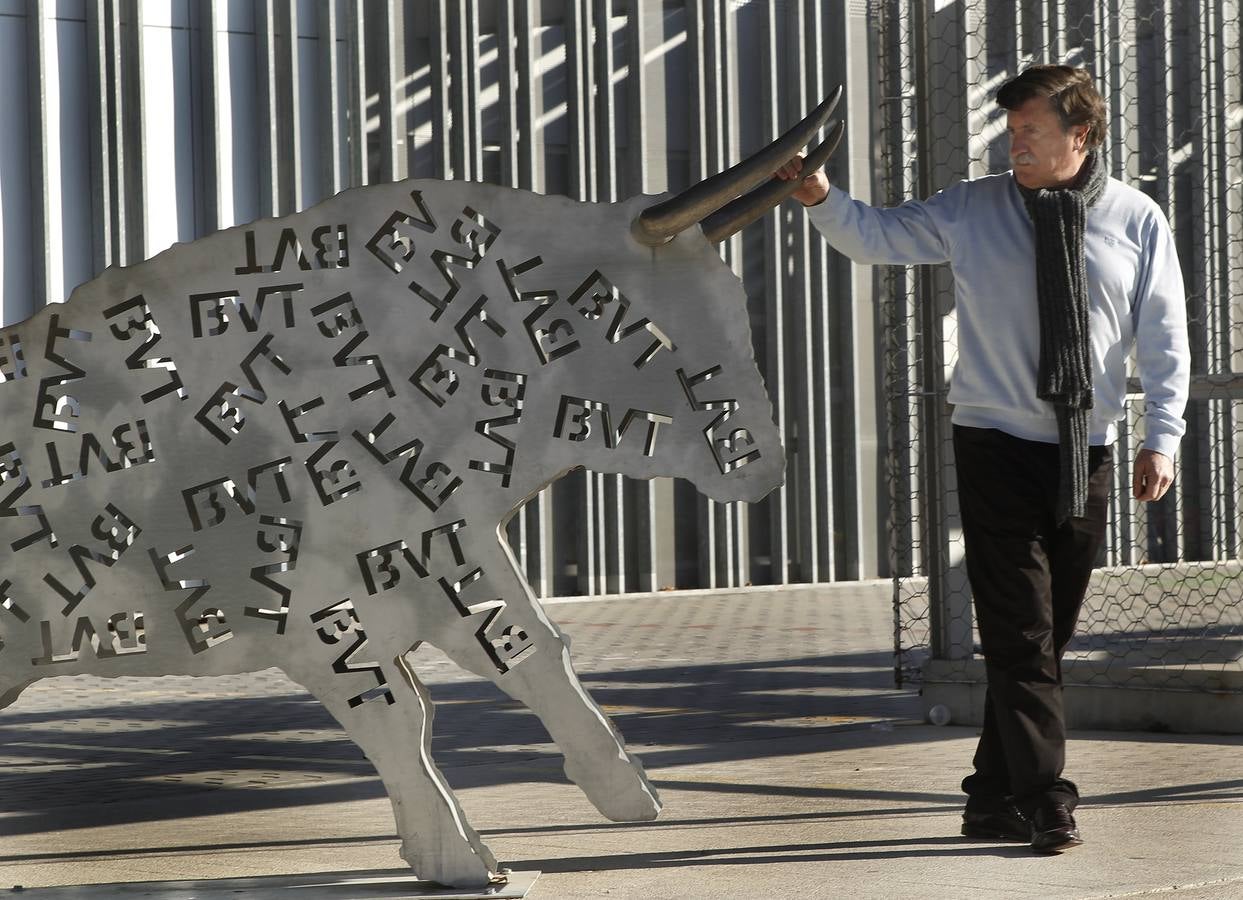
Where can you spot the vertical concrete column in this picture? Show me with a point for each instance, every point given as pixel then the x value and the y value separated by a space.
pixel 850 50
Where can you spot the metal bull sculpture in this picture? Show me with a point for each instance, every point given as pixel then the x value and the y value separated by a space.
pixel 294 444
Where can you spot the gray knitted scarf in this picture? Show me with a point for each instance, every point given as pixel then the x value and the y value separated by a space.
pixel 1065 375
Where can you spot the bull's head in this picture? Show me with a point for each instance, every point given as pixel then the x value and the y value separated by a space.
pixel 637 354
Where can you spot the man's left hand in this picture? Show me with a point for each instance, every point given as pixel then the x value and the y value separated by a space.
pixel 1152 475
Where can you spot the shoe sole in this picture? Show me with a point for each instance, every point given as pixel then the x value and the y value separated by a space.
pixel 1054 849
pixel 986 834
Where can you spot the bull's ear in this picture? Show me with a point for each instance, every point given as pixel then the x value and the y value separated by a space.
pixel 738 214
pixel 659 223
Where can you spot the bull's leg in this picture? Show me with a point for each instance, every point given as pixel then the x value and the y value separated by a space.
pixel 544 680
pixel 436 839
pixel 596 758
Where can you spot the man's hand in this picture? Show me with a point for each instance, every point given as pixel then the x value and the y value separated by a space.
pixel 1152 475
pixel 815 187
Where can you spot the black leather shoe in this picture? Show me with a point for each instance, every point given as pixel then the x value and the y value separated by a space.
pixel 1005 823
pixel 1054 829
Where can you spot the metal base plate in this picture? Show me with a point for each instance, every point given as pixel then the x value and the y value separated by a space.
pixel 328 886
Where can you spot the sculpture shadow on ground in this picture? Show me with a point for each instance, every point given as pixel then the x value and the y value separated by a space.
pixel 226 753
pixel 804 853
pixel 378 884
pixel 79 764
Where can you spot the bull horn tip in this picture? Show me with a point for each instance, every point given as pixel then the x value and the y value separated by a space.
pixel 830 102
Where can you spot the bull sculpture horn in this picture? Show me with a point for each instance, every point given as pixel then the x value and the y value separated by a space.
pixel 660 222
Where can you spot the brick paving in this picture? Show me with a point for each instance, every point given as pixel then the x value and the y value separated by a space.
pixel 788 763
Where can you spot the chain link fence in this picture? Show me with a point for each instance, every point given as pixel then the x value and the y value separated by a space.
pixel 1164 611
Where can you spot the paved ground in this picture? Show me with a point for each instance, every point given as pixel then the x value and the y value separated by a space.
pixel 788 765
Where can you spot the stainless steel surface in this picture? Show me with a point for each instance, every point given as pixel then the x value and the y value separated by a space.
pixel 296 443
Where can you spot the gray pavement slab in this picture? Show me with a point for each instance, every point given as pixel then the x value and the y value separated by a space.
pixel 788 764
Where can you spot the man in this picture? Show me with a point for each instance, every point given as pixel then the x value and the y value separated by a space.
pixel 1058 270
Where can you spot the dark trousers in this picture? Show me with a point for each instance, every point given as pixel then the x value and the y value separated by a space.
pixel 1028 575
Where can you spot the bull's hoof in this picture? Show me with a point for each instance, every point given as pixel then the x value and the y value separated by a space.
pixel 457 871
pixel 619 790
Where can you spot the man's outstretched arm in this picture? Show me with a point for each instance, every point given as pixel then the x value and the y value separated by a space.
pixel 910 234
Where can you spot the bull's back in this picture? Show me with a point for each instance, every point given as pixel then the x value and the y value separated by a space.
pixel 205 455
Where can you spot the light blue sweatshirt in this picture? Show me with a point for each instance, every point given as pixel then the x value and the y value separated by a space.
pixel 982 229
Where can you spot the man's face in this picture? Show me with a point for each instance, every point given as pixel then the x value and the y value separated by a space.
pixel 1042 153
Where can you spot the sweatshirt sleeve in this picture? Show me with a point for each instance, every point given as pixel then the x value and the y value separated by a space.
pixel 914 233
pixel 1160 321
